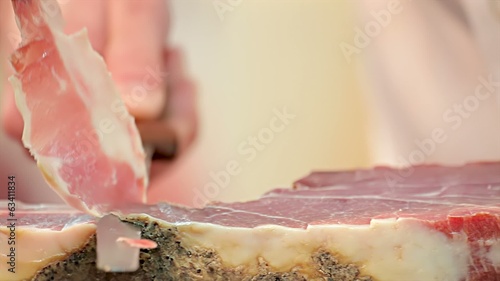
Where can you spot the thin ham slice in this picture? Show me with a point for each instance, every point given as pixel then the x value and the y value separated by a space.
pixel 75 123
pixel 434 223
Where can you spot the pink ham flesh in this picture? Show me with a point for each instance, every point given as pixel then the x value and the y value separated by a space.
pixel 76 127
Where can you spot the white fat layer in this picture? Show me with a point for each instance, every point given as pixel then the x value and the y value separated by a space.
pixel 36 248
pixel 50 167
pixel 52 14
pixel 494 253
pixel 62 83
pixel 389 250
pixel 20 98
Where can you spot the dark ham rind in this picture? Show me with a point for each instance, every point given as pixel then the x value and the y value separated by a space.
pixel 321 225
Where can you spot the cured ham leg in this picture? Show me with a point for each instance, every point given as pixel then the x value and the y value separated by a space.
pixel 433 223
pixel 76 125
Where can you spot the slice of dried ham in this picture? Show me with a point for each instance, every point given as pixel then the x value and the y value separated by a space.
pixel 434 223
pixel 75 123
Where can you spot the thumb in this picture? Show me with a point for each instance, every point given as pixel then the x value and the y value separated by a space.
pixel 134 53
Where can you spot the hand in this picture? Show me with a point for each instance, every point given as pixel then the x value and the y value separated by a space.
pixel 131 36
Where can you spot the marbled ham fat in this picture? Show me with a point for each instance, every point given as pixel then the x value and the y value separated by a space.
pixel 88 151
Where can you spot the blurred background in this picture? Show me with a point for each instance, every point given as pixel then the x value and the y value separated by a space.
pixel 354 98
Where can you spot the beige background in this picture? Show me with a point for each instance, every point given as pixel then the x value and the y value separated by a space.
pixel 263 55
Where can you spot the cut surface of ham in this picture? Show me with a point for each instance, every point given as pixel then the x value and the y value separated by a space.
pixel 433 223
pixel 76 126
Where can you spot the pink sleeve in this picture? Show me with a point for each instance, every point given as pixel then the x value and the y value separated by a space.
pixel 430 79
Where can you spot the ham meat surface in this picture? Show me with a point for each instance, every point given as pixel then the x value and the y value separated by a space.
pixel 433 223
pixel 75 123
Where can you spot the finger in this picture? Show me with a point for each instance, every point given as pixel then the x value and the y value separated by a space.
pixel 181 112
pixel 10 38
pixel 89 14
pixel 8 28
pixel 134 53
pixel 175 132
